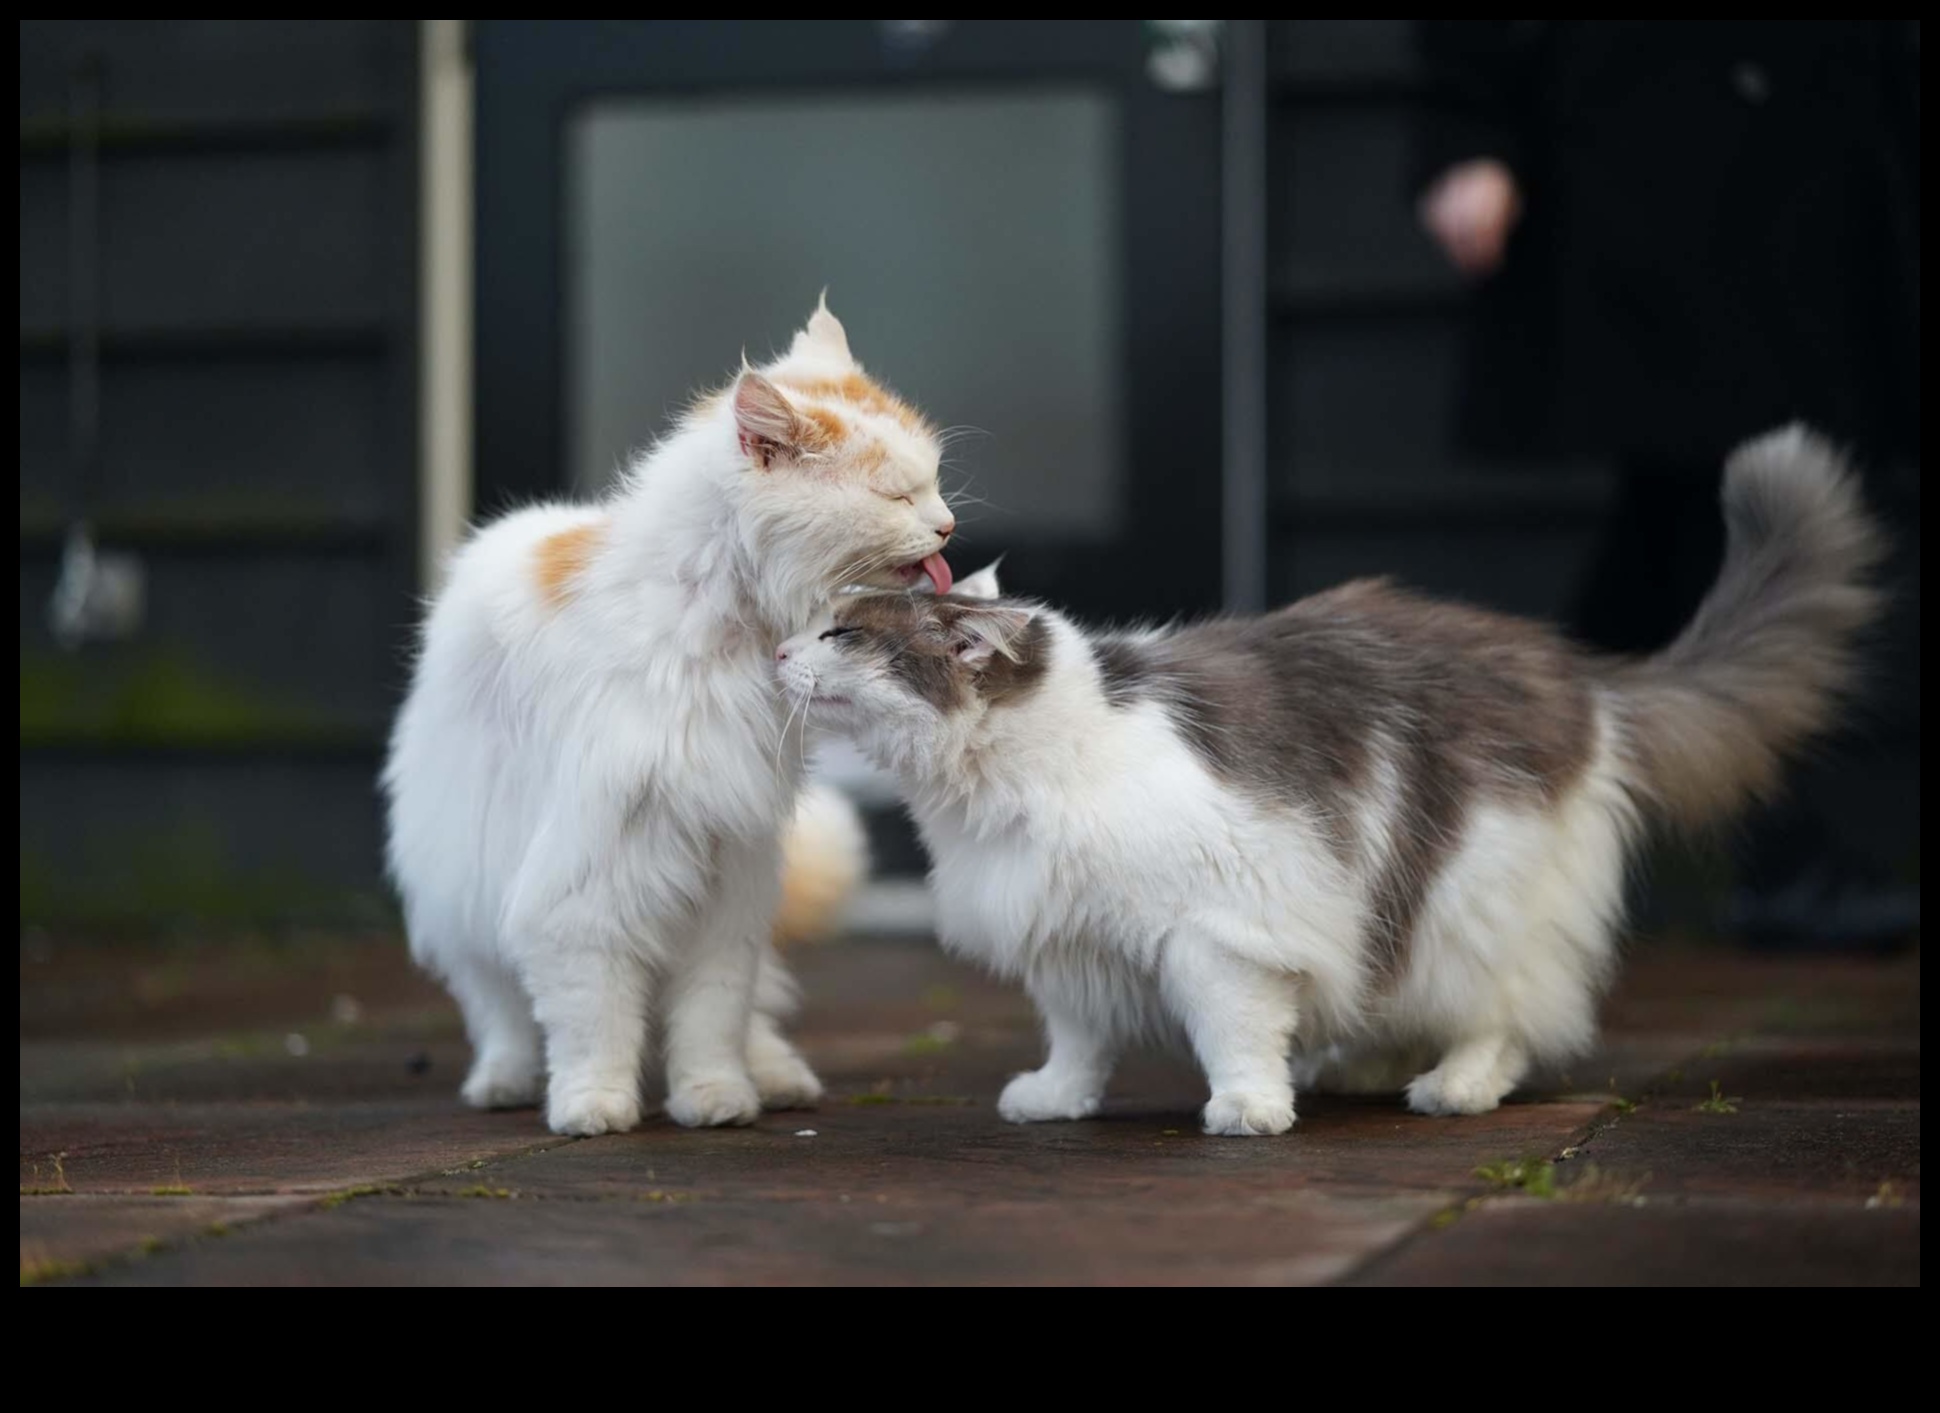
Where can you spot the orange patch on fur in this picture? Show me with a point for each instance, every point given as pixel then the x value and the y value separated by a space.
pixel 866 396
pixel 829 426
pixel 563 557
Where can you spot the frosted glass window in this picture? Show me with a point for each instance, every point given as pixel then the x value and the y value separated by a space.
pixel 970 242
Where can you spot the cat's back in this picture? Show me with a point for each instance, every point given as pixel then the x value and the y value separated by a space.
pixel 1308 699
pixel 502 582
pixel 1457 673
pixel 478 686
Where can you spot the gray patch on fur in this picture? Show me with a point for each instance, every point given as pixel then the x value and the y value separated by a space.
pixel 914 636
pixel 1121 670
pixel 1289 707
pixel 1008 678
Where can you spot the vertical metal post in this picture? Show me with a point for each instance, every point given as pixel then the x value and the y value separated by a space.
pixel 1243 287
pixel 445 299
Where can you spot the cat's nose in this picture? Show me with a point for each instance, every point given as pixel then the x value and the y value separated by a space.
pixel 946 529
pixel 781 653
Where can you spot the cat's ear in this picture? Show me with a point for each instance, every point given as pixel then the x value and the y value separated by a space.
pixel 982 584
pixel 767 421
pixel 823 334
pixel 979 634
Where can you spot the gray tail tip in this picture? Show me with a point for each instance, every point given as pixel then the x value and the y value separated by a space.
pixel 1794 446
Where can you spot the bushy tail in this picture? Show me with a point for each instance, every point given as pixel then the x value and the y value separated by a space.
pixel 825 855
pixel 1771 653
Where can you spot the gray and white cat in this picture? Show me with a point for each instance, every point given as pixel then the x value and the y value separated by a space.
pixel 1371 834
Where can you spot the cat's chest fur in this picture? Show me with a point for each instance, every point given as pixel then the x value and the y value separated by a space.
pixel 705 745
pixel 1102 870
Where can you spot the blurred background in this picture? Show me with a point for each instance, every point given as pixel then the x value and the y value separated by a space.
pixel 300 299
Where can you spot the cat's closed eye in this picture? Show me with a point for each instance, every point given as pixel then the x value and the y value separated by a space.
pixel 897 495
pixel 834 633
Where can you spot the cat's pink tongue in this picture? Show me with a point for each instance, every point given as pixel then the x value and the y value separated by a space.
pixel 938 568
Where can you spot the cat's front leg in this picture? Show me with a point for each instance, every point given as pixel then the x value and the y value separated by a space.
pixel 1240 1018
pixel 588 973
pixel 710 995
pixel 1072 1080
pixel 589 992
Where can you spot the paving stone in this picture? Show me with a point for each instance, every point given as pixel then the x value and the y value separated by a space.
pixel 401 1064
pixel 61 1236
pixel 246 1148
pixel 1766 1150
pixel 1730 994
pixel 1799 1068
pixel 183 987
pixel 1299 1238
pixel 1524 1242
pixel 967 1152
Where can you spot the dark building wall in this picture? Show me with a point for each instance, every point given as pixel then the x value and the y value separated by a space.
pixel 258 419
pixel 1363 355
pixel 257 271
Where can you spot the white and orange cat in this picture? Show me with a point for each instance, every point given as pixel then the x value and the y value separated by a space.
pixel 587 783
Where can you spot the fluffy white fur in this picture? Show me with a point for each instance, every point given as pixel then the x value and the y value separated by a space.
pixel 588 780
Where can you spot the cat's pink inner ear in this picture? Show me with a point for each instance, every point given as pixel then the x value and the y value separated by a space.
pixel 768 424
pixel 985 632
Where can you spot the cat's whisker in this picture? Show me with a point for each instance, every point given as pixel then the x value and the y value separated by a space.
pixel 802 706
pixel 808 702
pixel 949 436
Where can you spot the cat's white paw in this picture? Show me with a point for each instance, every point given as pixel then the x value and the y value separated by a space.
pixel 1448 1091
pixel 1240 1113
pixel 1039 1096
pixel 784 1081
pixel 585 1112
pixel 499 1082
pixel 711 1103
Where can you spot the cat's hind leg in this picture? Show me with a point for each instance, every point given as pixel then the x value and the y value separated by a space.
pixel 1371 1070
pixel 781 1076
pixel 508 1062
pixel 1473 1077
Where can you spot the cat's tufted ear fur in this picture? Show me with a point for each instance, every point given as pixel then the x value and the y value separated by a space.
pixel 823 335
pixel 981 585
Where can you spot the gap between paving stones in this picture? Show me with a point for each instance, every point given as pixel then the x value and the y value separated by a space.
pixel 300 1205
pixel 1480 1190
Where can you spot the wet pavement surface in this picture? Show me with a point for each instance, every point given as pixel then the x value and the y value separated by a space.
pixel 286 1114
